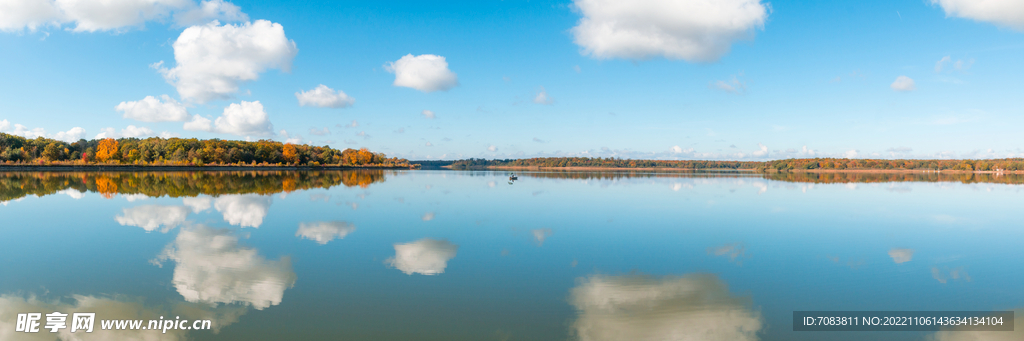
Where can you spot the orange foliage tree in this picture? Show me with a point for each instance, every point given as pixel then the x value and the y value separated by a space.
pixel 106 150
pixel 290 154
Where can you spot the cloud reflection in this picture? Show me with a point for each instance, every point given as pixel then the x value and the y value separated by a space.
pixel 73 193
pixel 152 217
pixel 213 268
pixel 114 308
pixel 900 256
pixel 945 275
pixel 243 210
pixel 425 256
pixel 640 307
pixel 539 235
pixel 198 204
pixel 734 251
pixel 324 231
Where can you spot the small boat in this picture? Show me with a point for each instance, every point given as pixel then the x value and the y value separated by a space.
pixel 513 177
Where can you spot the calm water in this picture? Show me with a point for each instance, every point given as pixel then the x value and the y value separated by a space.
pixel 447 255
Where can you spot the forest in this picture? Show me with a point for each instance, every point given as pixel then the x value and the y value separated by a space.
pixel 158 151
pixel 603 163
pixel 1015 164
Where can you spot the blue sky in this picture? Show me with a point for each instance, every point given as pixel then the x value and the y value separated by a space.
pixel 734 79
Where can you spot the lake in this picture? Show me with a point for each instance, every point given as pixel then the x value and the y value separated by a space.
pixel 467 255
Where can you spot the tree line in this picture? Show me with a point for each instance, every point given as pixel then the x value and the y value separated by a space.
pixel 183 152
pixel 1014 164
pixel 603 163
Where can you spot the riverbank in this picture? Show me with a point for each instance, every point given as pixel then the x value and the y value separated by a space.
pixel 745 170
pixel 607 168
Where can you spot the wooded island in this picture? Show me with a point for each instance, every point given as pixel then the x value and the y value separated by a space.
pixel 816 164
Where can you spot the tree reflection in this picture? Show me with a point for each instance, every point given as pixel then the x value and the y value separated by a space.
pixel 14 185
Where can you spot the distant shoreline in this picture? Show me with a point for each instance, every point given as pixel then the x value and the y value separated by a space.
pixel 746 170
pixel 138 168
pixel 608 168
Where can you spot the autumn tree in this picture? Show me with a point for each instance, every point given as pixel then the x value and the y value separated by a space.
pixel 52 152
pixel 290 154
pixel 106 150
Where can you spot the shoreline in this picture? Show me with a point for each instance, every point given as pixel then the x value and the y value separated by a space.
pixel 606 168
pixel 138 168
pixel 744 170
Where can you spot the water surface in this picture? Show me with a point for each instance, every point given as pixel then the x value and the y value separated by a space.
pixel 465 255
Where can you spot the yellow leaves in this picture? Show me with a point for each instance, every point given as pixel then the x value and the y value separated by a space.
pixel 106 150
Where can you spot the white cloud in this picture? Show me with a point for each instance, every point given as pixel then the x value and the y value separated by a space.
pixel 111 15
pixel 152 217
pixel 319 132
pixel 637 307
pixel 151 109
pixel 900 256
pixel 4 125
pixel 428 216
pixel 210 10
pixel 324 231
pixel 108 132
pixel 542 97
pixel 16 15
pixel 23 131
pixel 958 65
pixel 941 63
pixel 425 256
pixel 72 135
pixel 129 131
pixel 692 30
pixel 849 154
pixel 213 268
pixel 243 210
pixel 1006 13
pixel 492 148
pixel 92 16
pixel 133 131
pixel 427 73
pixel 426 113
pixel 761 152
pixel 199 123
pixel 213 59
pixel 324 97
pixel 903 83
pixel 733 85
pixel 243 119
